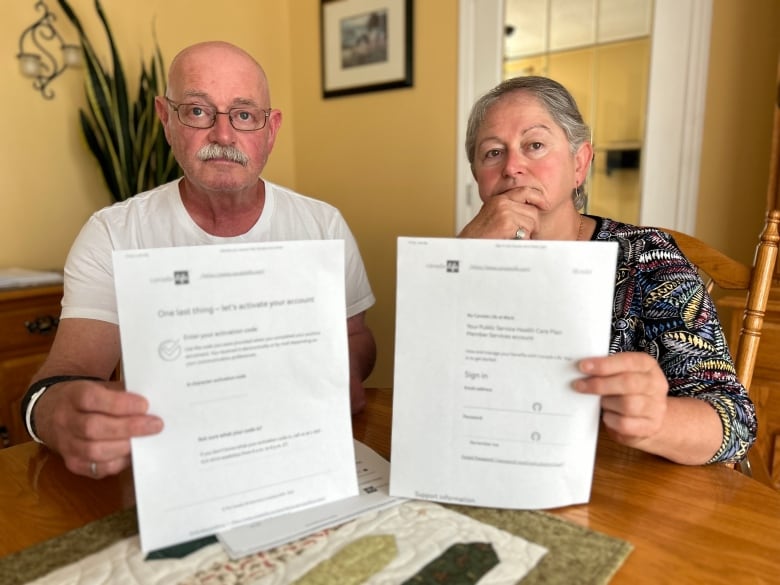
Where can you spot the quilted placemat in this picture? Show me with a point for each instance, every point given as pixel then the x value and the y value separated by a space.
pixel 577 555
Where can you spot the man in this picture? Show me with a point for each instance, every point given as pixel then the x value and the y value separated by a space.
pixel 219 122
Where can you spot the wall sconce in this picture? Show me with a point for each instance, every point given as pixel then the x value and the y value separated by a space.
pixel 36 61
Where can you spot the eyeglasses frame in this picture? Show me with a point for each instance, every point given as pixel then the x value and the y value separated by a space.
pixel 176 107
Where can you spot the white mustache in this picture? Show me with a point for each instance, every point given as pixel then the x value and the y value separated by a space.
pixel 231 153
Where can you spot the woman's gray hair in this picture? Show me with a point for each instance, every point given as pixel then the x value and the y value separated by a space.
pixel 556 99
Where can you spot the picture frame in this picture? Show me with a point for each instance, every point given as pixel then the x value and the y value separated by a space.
pixel 367 45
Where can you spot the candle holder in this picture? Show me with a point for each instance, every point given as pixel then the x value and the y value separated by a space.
pixel 37 60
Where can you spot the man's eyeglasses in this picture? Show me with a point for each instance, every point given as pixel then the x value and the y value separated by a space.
pixel 244 119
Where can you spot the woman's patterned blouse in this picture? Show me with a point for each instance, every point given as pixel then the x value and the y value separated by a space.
pixel 661 307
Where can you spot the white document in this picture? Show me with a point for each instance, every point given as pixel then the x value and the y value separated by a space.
pixel 488 333
pixel 242 350
pixel 373 474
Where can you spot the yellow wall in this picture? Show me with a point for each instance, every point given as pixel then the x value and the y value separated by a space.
pixel 386 159
pixel 741 87
pixel 49 182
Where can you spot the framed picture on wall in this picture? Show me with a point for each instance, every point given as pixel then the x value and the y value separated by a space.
pixel 366 45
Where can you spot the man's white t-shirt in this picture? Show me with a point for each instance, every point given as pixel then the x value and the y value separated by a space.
pixel 158 219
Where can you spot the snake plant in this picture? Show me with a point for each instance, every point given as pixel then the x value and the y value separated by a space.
pixel 124 135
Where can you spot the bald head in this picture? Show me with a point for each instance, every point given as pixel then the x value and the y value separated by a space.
pixel 197 69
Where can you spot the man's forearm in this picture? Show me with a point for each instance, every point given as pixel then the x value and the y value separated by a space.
pixel 362 354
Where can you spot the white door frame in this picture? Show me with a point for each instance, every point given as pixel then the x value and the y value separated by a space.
pixel 480 59
pixel 671 156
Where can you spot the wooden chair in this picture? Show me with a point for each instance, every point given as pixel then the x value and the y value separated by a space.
pixel 728 274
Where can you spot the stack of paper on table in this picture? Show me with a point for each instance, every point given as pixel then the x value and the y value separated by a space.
pixel 373 474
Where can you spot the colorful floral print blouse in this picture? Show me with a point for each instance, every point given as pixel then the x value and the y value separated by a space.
pixel 661 307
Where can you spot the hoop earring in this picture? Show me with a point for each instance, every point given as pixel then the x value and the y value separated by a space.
pixel 579 198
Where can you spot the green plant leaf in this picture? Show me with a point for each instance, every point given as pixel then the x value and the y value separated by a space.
pixel 124 135
pixel 120 110
pixel 98 150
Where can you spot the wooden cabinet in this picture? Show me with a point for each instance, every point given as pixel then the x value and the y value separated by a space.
pixel 765 388
pixel 28 320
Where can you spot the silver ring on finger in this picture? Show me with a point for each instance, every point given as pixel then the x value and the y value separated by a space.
pixel 520 234
pixel 93 469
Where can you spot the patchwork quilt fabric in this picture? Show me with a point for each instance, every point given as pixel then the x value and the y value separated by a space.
pixel 415 542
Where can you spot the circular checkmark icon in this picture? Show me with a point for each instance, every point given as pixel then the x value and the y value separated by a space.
pixel 169 349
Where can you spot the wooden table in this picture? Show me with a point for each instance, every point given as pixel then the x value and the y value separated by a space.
pixel 687 524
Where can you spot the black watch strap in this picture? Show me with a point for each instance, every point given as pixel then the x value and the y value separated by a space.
pixel 40 386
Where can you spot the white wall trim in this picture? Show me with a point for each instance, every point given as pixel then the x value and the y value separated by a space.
pixel 677 95
pixel 480 59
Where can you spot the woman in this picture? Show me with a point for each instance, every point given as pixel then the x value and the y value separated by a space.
pixel 668 386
